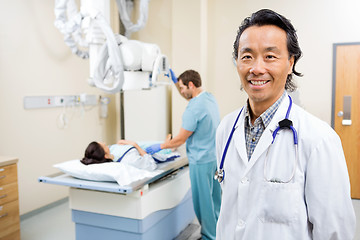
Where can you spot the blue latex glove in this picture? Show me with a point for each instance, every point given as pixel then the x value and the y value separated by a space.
pixel 173 77
pixel 153 149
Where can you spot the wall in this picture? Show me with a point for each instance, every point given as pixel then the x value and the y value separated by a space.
pixel 194 34
pixel 319 24
pixel 203 32
pixel 34 61
pixel 202 35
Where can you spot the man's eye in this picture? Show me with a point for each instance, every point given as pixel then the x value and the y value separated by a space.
pixel 270 57
pixel 246 57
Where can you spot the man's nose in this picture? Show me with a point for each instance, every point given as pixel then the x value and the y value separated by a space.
pixel 258 67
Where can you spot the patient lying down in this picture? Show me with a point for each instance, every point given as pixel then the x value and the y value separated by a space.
pixel 124 151
pixel 125 162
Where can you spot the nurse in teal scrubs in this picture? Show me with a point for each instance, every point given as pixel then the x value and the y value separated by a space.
pixel 199 124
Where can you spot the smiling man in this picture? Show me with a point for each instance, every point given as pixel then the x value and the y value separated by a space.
pixel 283 171
pixel 263 66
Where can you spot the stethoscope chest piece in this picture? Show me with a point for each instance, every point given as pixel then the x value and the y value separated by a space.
pixel 219 175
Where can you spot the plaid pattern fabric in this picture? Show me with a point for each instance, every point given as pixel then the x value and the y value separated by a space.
pixel 254 132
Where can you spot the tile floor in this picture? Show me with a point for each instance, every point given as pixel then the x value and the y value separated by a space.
pixel 55 224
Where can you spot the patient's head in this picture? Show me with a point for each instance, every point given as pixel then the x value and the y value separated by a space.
pixel 96 153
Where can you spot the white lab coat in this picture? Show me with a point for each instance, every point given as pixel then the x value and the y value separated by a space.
pixel 316 204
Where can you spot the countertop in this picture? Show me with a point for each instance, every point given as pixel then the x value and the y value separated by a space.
pixel 5 160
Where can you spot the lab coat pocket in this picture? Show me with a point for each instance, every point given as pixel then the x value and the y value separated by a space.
pixel 280 202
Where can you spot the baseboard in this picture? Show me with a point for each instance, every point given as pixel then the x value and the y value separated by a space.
pixel 42 209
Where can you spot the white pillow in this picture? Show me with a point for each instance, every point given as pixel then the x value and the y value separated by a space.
pixel 118 172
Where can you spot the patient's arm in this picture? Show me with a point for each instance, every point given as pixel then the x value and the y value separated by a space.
pixel 127 142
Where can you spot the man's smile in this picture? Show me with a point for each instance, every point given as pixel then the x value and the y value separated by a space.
pixel 258 82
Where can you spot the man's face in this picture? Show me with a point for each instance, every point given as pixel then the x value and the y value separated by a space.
pixel 185 90
pixel 263 63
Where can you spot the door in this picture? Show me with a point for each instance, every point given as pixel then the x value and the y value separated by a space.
pixel 346 101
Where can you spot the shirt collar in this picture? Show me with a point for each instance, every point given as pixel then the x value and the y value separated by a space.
pixel 202 91
pixel 266 117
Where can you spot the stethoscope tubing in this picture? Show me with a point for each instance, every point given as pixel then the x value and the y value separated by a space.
pixel 220 174
pixel 228 141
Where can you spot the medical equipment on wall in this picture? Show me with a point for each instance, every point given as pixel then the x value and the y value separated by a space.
pixel 103 110
pixel 125 8
pixel 286 123
pixel 77 107
pixel 116 62
pixel 72 105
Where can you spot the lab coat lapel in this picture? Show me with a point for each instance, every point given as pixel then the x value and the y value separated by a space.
pixel 262 145
pixel 266 138
pixel 239 138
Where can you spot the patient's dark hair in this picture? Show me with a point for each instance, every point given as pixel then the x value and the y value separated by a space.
pixel 94 153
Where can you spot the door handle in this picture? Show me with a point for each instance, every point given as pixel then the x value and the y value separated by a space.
pixel 347 111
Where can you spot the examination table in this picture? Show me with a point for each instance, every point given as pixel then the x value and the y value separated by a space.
pixel 158 208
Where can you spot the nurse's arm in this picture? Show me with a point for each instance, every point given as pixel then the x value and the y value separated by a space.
pixel 178 87
pixel 178 140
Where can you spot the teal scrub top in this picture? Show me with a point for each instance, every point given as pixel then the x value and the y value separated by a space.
pixel 201 117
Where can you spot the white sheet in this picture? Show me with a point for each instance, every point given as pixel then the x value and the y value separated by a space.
pixel 118 172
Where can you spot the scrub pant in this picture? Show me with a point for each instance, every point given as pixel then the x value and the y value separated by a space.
pixel 206 195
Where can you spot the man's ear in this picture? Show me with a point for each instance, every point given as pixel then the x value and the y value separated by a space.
pixel 291 63
pixel 191 84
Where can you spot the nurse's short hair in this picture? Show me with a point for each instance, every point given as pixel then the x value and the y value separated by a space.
pixel 268 17
pixel 190 76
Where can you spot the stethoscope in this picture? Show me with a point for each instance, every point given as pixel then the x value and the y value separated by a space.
pixel 286 123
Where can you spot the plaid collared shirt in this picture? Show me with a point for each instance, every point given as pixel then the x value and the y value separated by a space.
pixel 254 132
